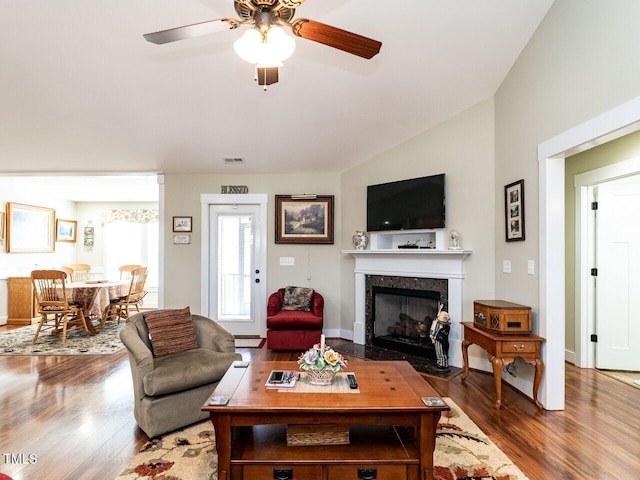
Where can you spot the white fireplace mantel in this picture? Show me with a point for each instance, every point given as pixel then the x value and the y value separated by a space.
pixel 421 263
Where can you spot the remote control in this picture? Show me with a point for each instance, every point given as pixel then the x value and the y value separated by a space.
pixel 351 378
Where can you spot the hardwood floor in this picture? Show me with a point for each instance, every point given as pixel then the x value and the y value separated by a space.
pixel 71 418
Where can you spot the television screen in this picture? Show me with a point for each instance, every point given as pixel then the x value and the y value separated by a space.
pixel 412 204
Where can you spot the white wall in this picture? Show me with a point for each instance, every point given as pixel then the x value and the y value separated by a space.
pixel 581 62
pixel 21 264
pixel 321 262
pixel 462 148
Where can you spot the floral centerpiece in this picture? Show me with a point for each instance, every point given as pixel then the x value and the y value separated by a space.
pixel 321 362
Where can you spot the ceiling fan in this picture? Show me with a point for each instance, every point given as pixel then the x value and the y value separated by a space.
pixel 265 45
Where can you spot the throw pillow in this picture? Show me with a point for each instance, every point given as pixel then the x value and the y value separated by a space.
pixel 297 298
pixel 170 331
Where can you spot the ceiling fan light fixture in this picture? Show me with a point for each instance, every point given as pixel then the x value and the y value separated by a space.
pixel 268 50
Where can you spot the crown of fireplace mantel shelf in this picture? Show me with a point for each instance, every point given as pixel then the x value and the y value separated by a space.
pixel 410 251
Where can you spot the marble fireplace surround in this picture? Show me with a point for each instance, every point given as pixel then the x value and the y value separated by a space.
pixel 412 264
pixel 414 284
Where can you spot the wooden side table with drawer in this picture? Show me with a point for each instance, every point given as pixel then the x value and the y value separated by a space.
pixel 503 349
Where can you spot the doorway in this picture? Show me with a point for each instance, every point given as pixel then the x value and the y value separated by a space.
pixel 608 126
pixel 234 262
pixel 590 186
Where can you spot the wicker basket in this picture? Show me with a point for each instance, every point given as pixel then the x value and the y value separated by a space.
pixel 311 435
pixel 321 377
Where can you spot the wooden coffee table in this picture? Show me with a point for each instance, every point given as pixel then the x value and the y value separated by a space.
pixel 392 432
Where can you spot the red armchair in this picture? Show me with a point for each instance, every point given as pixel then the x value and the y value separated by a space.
pixel 293 329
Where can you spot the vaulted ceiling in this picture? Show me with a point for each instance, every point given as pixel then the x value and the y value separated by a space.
pixel 82 91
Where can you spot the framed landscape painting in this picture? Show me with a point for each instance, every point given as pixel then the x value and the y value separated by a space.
pixel 30 229
pixel 66 230
pixel 304 219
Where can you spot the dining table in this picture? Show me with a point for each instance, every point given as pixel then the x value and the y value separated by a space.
pixel 94 296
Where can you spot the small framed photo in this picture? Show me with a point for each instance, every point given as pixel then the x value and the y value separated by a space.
pixel 514 211
pixel 181 239
pixel 88 241
pixel 2 225
pixel 88 230
pixel 66 230
pixel 182 224
pixel 304 220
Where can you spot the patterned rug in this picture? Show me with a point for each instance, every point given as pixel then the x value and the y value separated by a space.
pixel 462 452
pixel 20 342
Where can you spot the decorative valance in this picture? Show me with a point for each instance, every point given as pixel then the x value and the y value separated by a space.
pixel 134 215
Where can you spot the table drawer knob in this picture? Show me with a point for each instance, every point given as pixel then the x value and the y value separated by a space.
pixel 367 473
pixel 518 347
pixel 283 473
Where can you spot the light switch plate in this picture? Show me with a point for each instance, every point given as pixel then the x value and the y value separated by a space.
pixel 531 267
pixel 506 266
pixel 287 261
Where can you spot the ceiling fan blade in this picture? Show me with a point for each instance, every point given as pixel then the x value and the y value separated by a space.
pixel 335 37
pixel 191 31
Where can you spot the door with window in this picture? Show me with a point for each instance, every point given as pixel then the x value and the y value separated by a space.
pixel 235 267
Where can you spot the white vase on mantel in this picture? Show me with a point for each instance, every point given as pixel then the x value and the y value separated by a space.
pixel 360 240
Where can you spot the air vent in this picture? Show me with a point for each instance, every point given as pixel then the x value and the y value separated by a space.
pixel 234 161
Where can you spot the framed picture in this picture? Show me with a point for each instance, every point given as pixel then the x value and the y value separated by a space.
pixel 182 224
pixel 2 225
pixel 304 220
pixel 66 230
pixel 88 230
pixel 30 229
pixel 514 211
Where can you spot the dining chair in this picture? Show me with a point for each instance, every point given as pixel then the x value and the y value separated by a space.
pixel 52 303
pixel 68 271
pixel 80 271
pixel 119 308
pixel 125 271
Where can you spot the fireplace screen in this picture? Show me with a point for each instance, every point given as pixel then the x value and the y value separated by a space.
pixel 402 318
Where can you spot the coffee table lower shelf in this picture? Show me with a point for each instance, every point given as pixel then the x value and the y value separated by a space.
pixel 374 451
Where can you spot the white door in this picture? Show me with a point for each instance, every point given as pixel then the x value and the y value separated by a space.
pixel 618 279
pixel 235 276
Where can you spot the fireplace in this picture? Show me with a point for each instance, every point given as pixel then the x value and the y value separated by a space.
pixel 435 270
pixel 399 312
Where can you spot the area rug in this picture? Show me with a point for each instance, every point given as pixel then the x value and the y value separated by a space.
pixel 250 342
pixel 462 451
pixel 20 342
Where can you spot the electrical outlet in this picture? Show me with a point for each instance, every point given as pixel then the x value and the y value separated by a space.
pixel 506 266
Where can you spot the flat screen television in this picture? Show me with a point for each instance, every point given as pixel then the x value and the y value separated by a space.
pixel 413 204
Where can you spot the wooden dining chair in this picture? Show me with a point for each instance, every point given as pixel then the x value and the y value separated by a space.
pixel 80 271
pixel 119 308
pixel 51 298
pixel 68 271
pixel 125 271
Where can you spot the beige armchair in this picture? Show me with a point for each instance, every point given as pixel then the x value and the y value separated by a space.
pixel 169 391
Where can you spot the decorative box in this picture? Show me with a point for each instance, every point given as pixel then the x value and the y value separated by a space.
pixel 501 317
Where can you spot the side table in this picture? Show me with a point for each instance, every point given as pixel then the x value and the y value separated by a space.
pixel 503 349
